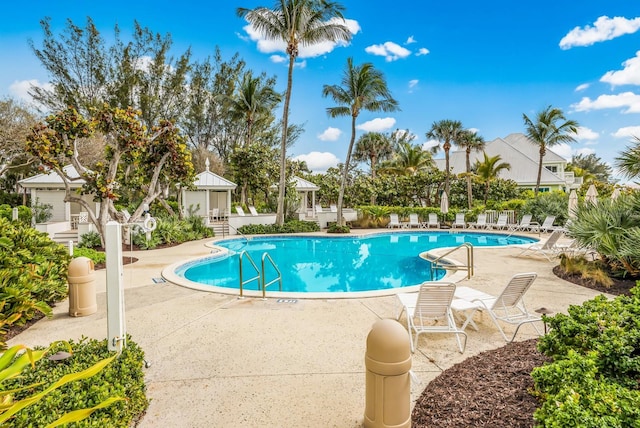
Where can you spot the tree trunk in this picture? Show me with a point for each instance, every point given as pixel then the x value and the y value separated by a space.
pixel 539 171
pixel 469 190
pixel 283 145
pixel 446 146
pixel 346 169
pixel 374 163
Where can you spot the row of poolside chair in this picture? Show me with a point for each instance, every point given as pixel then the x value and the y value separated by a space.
pixel 432 308
pixel 525 224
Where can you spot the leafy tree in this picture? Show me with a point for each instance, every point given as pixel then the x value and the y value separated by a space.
pixel 545 132
pixel 15 122
pixel 254 167
pixel 629 160
pixel 136 159
pixel 470 141
pixel 590 167
pixel 488 170
pixel 86 73
pixel 446 131
pixel 363 88
pixel 297 23
pixel 408 159
pixel 372 147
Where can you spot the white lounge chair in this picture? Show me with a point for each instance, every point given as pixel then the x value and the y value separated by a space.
pixel 508 307
pixel 432 221
pixel 459 221
pixel 414 221
pixel 239 210
pixel 547 224
pixel 548 248
pixel 480 223
pixel 524 225
pixel 429 311
pixel 500 224
pixel 253 210
pixel 394 221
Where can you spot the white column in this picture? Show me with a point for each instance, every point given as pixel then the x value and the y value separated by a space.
pixel 116 330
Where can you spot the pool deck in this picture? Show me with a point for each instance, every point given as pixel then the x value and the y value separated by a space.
pixel 220 361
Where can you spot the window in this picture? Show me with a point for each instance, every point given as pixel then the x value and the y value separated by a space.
pixel 552 168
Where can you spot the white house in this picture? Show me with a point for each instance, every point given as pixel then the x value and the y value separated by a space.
pixel 523 156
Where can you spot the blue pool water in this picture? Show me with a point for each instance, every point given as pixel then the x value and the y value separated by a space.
pixel 315 264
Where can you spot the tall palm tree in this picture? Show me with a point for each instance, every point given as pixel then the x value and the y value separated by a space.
pixel 470 141
pixel 446 131
pixel 488 170
pixel 253 102
pixel 363 88
pixel 297 23
pixel 372 147
pixel 408 159
pixel 629 160
pixel 545 132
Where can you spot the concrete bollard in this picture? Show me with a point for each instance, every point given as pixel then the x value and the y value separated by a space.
pixel 82 287
pixel 388 361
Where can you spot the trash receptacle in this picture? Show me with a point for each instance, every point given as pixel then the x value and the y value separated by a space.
pixel 82 287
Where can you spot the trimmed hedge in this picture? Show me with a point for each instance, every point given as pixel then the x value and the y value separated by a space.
pixel 293 226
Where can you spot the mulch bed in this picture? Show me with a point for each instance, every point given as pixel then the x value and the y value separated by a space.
pixel 491 389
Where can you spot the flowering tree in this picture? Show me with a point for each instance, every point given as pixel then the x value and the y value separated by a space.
pixel 136 159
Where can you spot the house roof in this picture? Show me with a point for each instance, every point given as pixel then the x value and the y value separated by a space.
pixel 51 179
pixel 524 169
pixel 210 181
pixel 522 143
pixel 303 185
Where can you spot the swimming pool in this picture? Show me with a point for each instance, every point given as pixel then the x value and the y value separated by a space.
pixel 333 265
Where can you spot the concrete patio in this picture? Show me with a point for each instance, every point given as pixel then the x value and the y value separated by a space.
pixel 218 361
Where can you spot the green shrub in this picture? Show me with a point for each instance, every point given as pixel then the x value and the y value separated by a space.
pixel 548 203
pixel 90 240
pixel 123 377
pixel 593 379
pixel 96 256
pixel 33 274
pixel 292 226
pixel 24 213
pixel 334 228
pixel 41 212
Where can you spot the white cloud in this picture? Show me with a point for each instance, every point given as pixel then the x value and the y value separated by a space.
pixel 311 51
pixel 585 151
pixel 627 131
pixel 377 124
pixel 318 161
pixel 628 101
pixel 586 134
pixel 278 58
pixel 389 50
pixel 604 28
pixel 410 40
pixel 564 150
pixel 20 88
pixel 629 75
pixel 412 84
pixel 422 51
pixel 330 134
pixel 429 144
pixel 582 87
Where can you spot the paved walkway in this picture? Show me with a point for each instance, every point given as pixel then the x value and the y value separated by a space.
pixel 217 361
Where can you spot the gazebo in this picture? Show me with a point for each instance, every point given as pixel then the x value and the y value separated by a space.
pixel 305 187
pixel 212 193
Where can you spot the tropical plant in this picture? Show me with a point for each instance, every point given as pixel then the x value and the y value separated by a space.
pixel 628 163
pixel 446 131
pixel 98 257
pixel 545 132
pixel 90 240
pixel 548 203
pixel 15 122
pixel 488 170
pixel 33 274
pixel 362 88
pixel 590 167
pixel 372 147
pixel 41 212
pixel 469 141
pixel 297 23
pixel 408 159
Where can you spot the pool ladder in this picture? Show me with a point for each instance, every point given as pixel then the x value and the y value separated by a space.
pixel 260 273
pixel 435 263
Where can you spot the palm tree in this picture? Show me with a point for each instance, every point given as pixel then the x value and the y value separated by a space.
pixel 629 160
pixel 372 147
pixel 253 102
pixel 545 132
pixel 297 23
pixel 470 141
pixel 488 170
pixel 363 88
pixel 408 159
pixel 445 131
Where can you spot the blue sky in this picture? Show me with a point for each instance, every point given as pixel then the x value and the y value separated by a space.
pixel 483 63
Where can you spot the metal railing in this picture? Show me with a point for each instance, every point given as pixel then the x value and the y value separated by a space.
pixel 260 273
pixel 435 264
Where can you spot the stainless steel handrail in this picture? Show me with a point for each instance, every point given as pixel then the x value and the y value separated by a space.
pixel 278 278
pixel 468 267
pixel 258 277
